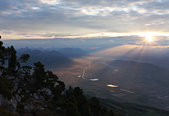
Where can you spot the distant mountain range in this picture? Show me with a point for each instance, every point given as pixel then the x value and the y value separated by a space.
pixel 158 55
pixel 51 59
pixel 73 52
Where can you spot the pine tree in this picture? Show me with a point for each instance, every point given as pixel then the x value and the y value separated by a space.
pixel 12 59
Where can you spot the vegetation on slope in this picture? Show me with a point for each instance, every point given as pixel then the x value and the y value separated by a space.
pixel 40 92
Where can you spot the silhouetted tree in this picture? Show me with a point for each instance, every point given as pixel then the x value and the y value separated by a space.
pixel 24 58
pixel 2 53
pixel 71 109
pixel 25 69
pixel 12 59
pixel 39 74
pixel 95 106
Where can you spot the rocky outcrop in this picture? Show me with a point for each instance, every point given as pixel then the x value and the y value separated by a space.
pixel 8 104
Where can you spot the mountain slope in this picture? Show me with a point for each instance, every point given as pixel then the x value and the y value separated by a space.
pixel 51 59
pixel 130 109
pixel 72 52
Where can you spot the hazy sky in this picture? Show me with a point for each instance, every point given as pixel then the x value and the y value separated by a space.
pixel 81 18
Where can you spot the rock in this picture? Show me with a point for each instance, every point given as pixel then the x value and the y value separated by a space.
pixel 13 104
pixel 47 91
pixel 42 109
pixel 58 108
pixel 28 107
pixel 8 104
pixel 35 96
pixel 56 84
pixel 41 98
pixel 11 77
pixel 18 98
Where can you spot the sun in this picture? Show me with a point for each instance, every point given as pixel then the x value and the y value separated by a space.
pixel 149 39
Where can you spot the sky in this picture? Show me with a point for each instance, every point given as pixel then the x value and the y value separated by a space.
pixel 43 19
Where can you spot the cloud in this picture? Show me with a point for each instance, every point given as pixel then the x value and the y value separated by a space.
pixel 50 2
pixel 79 17
pixel 4 5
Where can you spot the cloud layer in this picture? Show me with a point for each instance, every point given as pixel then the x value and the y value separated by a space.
pixel 36 18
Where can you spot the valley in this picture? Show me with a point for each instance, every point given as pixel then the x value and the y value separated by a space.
pixel 126 81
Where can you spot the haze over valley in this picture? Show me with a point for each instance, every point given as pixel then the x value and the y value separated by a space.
pixel 124 72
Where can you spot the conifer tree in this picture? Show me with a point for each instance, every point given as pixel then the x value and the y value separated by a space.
pixel 12 59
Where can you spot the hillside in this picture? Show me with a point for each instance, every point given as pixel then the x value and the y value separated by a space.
pixel 131 109
pixel 51 59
